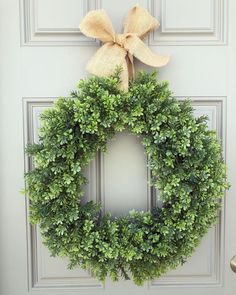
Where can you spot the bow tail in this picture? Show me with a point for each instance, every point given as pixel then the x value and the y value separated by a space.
pixel 139 49
pixel 106 60
pixel 130 65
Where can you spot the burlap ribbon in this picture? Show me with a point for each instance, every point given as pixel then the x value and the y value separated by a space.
pixel 119 49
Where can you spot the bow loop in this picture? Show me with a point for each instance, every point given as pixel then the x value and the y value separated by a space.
pixel 96 24
pixel 140 22
pixel 119 49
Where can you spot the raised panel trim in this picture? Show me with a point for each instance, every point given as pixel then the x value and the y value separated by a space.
pixel 165 29
pixel 216 34
pixel 51 30
pixel 33 35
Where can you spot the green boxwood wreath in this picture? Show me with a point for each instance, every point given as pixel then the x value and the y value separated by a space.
pixel 186 166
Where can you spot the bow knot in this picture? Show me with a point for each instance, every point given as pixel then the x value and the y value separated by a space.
pixel 119 49
pixel 120 39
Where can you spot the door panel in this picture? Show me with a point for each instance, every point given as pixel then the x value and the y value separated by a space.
pixel 124 176
pixel 43 55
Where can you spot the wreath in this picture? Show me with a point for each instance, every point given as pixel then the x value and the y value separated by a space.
pixel 186 168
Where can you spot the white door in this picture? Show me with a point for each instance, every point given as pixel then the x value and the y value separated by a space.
pixel 42 56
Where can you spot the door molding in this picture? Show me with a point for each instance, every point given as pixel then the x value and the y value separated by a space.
pixel 34 35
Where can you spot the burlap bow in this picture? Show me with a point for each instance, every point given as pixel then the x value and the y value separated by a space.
pixel 119 49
